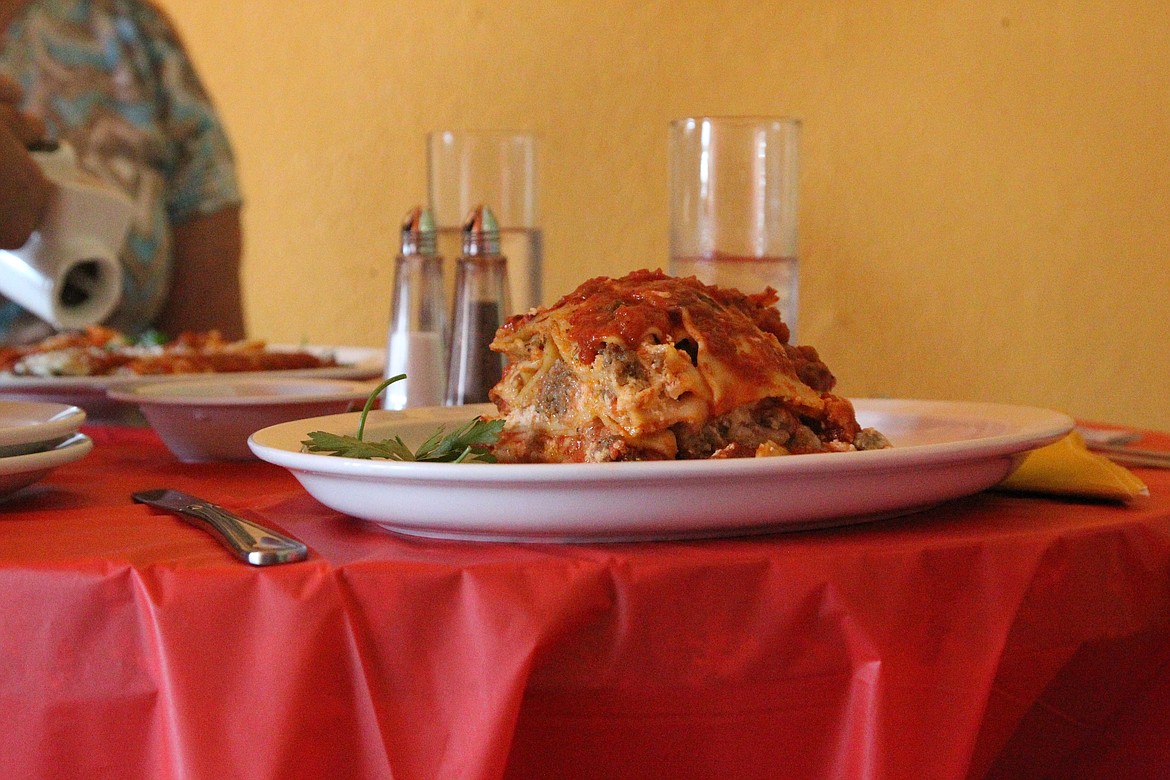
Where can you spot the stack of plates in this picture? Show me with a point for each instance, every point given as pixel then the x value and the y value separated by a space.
pixel 35 438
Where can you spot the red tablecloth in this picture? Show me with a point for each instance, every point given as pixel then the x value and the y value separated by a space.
pixel 995 636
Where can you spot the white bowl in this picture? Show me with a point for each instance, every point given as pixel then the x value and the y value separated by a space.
pixel 211 419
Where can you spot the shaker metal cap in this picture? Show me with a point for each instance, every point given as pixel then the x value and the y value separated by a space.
pixel 481 232
pixel 419 235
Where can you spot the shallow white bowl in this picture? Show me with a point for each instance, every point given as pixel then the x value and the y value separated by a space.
pixel 211 419
pixel 942 450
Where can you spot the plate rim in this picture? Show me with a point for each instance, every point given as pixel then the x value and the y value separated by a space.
pixel 71 449
pixel 341 390
pixel 1047 425
pixel 59 420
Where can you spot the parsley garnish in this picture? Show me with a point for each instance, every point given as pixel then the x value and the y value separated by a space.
pixel 470 442
pixel 151 337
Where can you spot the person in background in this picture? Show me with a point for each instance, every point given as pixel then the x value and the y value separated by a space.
pixel 24 190
pixel 112 79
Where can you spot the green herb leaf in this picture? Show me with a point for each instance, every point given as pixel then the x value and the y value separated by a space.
pixel 353 447
pixel 470 442
pixel 152 337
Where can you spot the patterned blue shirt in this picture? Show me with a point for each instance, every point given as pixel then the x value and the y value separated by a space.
pixel 111 77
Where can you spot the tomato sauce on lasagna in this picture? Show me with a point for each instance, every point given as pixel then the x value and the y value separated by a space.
pixel 652 367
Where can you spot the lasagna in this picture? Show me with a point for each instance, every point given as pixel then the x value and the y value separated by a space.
pixel 101 351
pixel 653 367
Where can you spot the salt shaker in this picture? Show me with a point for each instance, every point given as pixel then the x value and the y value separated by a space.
pixel 481 303
pixel 416 341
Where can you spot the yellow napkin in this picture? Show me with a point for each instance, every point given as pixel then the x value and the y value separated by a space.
pixel 1067 468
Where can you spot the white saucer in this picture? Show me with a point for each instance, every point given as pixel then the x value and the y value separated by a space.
pixel 18 471
pixel 34 426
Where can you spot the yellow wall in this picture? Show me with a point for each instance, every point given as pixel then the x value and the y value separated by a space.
pixel 985 186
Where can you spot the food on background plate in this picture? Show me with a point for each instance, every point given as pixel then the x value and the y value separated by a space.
pixel 101 351
pixel 645 367
pixel 654 367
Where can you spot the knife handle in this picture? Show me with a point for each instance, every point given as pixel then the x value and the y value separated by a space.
pixel 255 544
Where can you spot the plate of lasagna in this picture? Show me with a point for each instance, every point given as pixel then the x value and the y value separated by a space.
pixel 81 367
pixel 650 407
pixel 941 451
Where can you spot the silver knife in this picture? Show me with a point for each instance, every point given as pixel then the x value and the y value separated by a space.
pixel 249 541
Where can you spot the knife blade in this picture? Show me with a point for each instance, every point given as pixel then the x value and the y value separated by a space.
pixel 248 541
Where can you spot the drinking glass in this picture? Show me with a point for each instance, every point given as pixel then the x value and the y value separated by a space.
pixel 497 169
pixel 733 195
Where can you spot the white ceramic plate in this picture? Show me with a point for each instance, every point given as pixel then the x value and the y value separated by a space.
pixel 20 471
pixel 942 450
pixel 91 393
pixel 32 426
pixel 211 418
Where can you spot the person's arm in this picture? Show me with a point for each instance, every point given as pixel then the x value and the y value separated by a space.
pixel 24 190
pixel 205 289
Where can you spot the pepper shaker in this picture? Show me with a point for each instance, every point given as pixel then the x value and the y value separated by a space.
pixel 416 341
pixel 481 303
